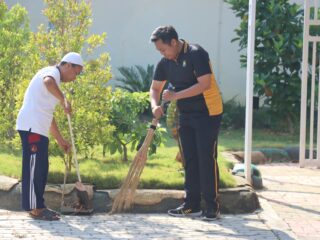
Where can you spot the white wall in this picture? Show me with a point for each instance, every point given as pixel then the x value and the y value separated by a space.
pixel 129 23
pixel 34 7
pixel 209 23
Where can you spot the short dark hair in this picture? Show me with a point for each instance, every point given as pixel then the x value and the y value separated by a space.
pixel 164 33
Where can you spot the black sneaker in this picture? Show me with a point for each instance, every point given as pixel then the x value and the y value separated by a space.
pixel 185 211
pixel 211 215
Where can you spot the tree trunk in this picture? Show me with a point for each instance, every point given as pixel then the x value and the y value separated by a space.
pixel 125 153
pixel 290 124
pixel 124 148
pixel 104 150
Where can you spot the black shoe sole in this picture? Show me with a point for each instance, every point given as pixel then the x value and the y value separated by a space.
pixel 189 215
pixel 204 218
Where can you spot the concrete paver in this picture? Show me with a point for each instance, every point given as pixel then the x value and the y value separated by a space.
pixel 294 194
pixel 290 209
pixel 17 225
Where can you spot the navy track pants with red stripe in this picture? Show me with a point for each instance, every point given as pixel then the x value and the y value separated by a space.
pixel 34 169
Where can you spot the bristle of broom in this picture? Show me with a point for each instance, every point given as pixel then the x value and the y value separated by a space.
pixel 125 197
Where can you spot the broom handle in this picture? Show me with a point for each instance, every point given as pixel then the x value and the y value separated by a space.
pixel 73 145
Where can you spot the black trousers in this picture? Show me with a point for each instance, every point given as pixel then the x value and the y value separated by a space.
pixel 198 135
pixel 34 169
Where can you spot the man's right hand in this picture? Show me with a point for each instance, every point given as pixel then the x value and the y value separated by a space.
pixel 157 112
pixel 66 107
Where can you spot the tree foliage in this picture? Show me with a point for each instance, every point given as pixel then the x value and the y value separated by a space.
pixel 278 54
pixel 68 30
pixel 100 116
pixel 14 63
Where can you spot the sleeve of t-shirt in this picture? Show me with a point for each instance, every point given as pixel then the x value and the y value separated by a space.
pixel 54 73
pixel 159 74
pixel 201 62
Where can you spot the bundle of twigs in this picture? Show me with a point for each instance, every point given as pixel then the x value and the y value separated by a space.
pixel 125 197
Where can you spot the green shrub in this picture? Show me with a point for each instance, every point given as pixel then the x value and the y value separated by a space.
pixel 262 118
pixel 125 112
pixel 135 79
pixel 278 55
pixel 15 63
pixel 70 22
pixel 233 115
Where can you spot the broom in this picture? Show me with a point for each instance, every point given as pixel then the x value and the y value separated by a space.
pixel 125 197
pixel 79 186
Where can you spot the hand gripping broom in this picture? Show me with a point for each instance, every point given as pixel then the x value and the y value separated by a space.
pixel 125 197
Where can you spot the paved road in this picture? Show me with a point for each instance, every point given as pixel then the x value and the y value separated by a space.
pixel 290 210
pixel 294 194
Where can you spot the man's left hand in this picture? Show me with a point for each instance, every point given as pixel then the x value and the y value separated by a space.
pixel 168 95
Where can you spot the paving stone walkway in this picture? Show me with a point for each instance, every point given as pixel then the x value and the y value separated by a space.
pixel 290 210
pixel 16 225
pixel 294 195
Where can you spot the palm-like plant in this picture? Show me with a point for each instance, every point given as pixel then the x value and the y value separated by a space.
pixel 135 79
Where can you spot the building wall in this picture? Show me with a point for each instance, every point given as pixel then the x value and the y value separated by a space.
pixel 129 23
pixel 209 23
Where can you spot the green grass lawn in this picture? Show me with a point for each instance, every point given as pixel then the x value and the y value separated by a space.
pixel 234 139
pixel 161 171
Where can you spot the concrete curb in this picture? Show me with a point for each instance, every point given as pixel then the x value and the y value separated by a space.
pixel 242 199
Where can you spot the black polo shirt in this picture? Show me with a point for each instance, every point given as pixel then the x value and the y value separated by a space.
pixel 193 62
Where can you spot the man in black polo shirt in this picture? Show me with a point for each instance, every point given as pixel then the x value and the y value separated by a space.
pixel 187 67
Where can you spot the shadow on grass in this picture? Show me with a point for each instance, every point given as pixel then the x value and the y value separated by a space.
pixel 108 176
pixel 171 142
pixel 10 150
pixel 110 181
pixel 100 182
pixel 153 164
pixel 157 184
pixel 108 173
pixel 115 164
pixel 108 165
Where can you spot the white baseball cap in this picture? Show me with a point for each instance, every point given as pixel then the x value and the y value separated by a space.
pixel 73 57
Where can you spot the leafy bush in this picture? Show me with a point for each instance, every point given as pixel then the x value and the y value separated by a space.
pixel 233 115
pixel 100 117
pixel 14 64
pixel 277 54
pixel 135 79
pixel 70 21
pixel 128 128
pixel 262 118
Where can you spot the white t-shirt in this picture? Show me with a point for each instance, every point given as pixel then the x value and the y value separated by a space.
pixel 36 113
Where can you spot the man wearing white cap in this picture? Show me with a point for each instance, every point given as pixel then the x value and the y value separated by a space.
pixel 35 121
